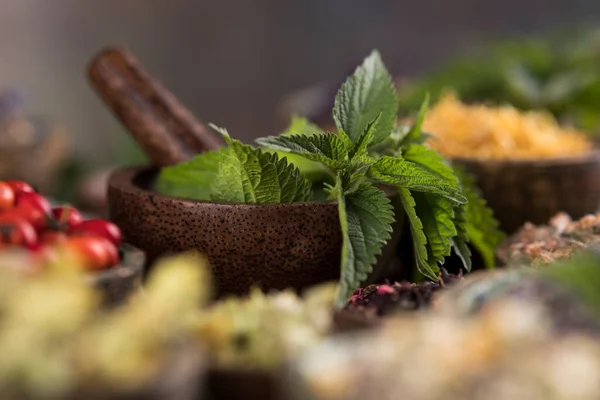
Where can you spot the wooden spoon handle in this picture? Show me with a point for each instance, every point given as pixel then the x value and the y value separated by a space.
pixel 166 130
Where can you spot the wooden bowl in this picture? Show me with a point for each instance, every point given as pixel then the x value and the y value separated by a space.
pixel 239 384
pixel 118 283
pixel 181 376
pixel 272 246
pixel 534 191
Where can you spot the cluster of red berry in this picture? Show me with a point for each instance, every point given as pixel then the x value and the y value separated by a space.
pixel 28 220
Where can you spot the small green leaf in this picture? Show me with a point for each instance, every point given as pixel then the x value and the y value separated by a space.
pixel 301 125
pixel 482 228
pixel 326 148
pixel 247 175
pixel 359 148
pixel 345 138
pixel 366 218
pixel 409 175
pixel 459 242
pixel 431 161
pixel 368 92
pixel 425 267
pixel 436 214
pixel 456 235
pixel 192 179
pixel 414 134
pixel 522 84
pixel 312 170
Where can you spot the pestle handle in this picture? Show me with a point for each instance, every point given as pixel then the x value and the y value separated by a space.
pixel 165 129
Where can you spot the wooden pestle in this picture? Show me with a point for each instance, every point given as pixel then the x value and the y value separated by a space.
pixel 166 130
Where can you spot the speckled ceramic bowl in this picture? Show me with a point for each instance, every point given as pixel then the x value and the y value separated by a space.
pixel 522 191
pixel 272 246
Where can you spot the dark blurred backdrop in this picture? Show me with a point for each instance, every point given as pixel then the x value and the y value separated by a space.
pixel 232 61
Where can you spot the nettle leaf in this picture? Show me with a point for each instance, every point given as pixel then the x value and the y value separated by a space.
pixel 425 266
pixel 480 224
pixel 368 92
pixel 326 148
pixel 439 232
pixel 301 125
pixel 414 134
pixel 459 242
pixel 248 175
pixel 366 218
pixel 413 176
pixel 192 179
pixel 431 161
pixel 359 148
pixel 314 171
pixel 436 214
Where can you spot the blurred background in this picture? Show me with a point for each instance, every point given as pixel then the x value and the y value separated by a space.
pixel 232 62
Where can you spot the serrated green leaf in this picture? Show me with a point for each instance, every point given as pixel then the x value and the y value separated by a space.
pixel 248 175
pixel 424 265
pixel 222 131
pixel 413 176
pixel 326 148
pixel 482 228
pixel 436 214
pixel 359 148
pixel 414 135
pixel 345 138
pixel 368 92
pixel 431 161
pixel 366 218
pixel 461 240
pixel 301 125
pixel 312 170
pixel 192 179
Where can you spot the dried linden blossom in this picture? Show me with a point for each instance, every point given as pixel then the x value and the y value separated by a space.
pixel 483 132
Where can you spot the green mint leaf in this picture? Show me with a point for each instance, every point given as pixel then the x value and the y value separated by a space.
pixel 366 218
pixel 437 217
pixel 359 148
pixel 424 265
pixel 459 242
pixel 248 175
pixel 482 228
pixel 192 179
pixel 326 148
pixel 301 125
pixel 414 134
pixel 413 176
pixel 368 92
